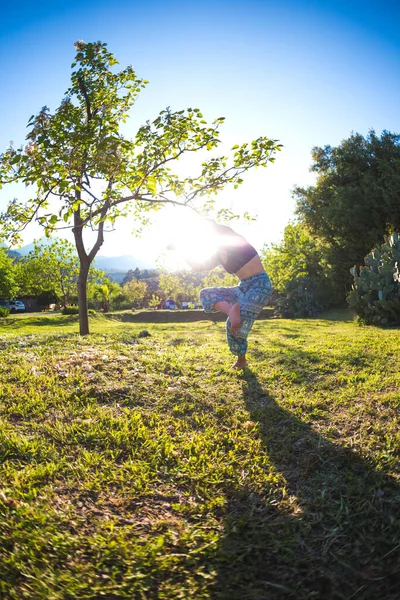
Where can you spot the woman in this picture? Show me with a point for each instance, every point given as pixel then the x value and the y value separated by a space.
pixel 243 303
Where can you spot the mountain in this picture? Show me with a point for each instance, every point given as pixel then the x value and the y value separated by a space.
pixel 121 263
pixel 111 265
pixel 10 253
pixel 44 241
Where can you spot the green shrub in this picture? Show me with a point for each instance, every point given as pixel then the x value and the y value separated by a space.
pixel 70 310
pixel 124 305
pixel 300 299
pixel 74 310
pixel 375 297
pixel 4 312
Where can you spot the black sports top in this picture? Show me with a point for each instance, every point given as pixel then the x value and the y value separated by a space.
pixel 235 252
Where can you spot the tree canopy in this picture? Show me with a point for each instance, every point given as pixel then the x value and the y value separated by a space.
pixel 354 202
pixel 8 283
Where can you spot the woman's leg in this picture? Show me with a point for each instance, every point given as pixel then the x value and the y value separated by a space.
pixel 251 299
pixel 237 341
pixel 233 312
pixel 225 300
pixel 219 299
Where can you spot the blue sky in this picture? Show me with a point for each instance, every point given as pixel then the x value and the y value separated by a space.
pixel 306 73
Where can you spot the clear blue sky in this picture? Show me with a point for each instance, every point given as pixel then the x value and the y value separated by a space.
pixel 307 73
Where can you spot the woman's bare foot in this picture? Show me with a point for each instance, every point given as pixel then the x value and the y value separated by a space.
pixel 241 362
pixel 234 317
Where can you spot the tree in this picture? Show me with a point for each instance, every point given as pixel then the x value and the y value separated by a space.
pixel 134 291
pixel 154 301
pixel 52 269
pixel 354 202
pixel 105 293
pixel 8 282
pixel 85 174
pixel 171 286
pixel 299 272
pixel 299 254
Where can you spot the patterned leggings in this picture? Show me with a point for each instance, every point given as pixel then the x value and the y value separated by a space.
pixel 251 295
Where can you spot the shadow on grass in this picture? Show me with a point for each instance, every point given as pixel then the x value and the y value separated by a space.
pixel 336 532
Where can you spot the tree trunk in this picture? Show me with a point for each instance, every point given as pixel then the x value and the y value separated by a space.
pixel 82 299
pixel 85 260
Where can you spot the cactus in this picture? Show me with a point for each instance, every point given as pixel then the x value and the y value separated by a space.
pixel 375 296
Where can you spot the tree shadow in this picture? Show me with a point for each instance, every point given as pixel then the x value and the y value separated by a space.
pixel 333 534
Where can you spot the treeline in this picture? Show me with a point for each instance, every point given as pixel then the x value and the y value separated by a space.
pixel 351 210
pixel 49 275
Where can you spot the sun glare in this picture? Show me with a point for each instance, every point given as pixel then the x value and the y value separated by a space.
pixel 196 241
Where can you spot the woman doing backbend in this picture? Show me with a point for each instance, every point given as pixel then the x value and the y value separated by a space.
pixel 242 303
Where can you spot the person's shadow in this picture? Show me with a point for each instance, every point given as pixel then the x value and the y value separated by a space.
pixel 332 535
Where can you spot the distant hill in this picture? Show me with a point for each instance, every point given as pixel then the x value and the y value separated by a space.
pixel 13 254
pixel 44 241
pixel 121 263
pixel 10 253
pixel 114 266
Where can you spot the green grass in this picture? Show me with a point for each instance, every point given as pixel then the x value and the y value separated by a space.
pixel 146 468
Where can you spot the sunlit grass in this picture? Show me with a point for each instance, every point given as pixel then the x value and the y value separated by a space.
pixel 146 468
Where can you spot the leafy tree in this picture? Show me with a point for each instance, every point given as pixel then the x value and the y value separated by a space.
pixel 135 291
pixel 180 286
pixel 301 257
pixel 354 202
pixel 171 285
pixel 105 293
pixel 8 282
pixel 154 301
pixel 52 269
pixel 85 174
pixel 298 255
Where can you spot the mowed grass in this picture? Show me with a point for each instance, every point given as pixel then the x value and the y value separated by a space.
pixel 145 468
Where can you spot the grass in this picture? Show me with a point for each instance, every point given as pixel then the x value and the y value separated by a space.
pixel 145 468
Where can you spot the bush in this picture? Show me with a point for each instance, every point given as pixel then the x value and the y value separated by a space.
pixel 300 299
pixel 4 312
pixel 125 305
pixel 74 310
pixel 70 310
pixel 375 297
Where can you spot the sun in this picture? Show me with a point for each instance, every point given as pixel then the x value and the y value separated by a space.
pixel 193 238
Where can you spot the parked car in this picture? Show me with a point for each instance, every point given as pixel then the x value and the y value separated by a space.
pixel 13 305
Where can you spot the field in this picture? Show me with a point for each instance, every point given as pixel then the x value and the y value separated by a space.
pixel 146 468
